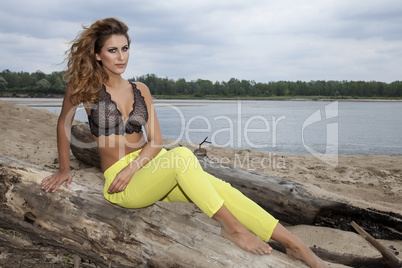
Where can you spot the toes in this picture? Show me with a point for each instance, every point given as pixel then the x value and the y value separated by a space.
pixel 267 250
pixel 254 251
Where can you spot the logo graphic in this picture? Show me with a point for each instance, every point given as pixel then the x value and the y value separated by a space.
pixel 331 152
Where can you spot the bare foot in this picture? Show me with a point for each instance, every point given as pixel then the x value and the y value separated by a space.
pixel 296 248
pixel 247 241
pixel 235 231
pixel 306 255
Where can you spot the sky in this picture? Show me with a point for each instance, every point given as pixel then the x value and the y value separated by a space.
pixel 259 40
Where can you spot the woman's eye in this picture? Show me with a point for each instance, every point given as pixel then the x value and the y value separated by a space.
pixel 125 48
pixel 113 50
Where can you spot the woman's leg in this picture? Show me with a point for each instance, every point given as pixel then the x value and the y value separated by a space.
pixel 235 231
pixel 295 247
pixel 161 176
pixel 177 174
pixel 235 219
pixel 231 227
pixel 242 220
pixel 250 214
pixel 247 224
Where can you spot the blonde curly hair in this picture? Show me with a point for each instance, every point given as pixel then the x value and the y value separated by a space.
pixel 84 73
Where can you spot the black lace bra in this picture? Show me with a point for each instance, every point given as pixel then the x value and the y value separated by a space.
pixel 106 119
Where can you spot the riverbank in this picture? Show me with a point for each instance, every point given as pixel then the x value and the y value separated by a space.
pixel 17 97
pixel 273 98
pixel 369 181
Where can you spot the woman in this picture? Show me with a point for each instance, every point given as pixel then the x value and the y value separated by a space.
pixel 137 170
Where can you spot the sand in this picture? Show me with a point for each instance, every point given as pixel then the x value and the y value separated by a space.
pixel 371 181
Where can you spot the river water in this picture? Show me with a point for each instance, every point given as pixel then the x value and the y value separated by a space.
pixel 282 127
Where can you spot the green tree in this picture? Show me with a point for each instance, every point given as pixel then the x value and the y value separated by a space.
pixel 10 77
pixel 56 81
pixel 223 88
pixel 204 87
pixel 234 86
pixel 26 81
pixel 3 84
pixel 39 75
pixel 281 88
pixel 301 88
pixel 43 85
pixel 181 86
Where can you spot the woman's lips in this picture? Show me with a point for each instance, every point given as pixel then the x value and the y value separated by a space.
pixel 120 65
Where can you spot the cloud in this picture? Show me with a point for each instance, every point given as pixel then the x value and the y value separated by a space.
pixel 216 40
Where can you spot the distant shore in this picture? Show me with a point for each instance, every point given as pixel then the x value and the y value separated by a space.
pixel 51 98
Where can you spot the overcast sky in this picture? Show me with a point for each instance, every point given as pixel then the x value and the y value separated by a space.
pixel 267 40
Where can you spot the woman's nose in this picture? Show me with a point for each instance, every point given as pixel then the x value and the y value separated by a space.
pixel 120 55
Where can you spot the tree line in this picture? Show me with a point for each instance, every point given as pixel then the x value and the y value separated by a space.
pixel 32 84
pixel 40 84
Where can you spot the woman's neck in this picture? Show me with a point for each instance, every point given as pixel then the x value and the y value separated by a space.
pixel 115 81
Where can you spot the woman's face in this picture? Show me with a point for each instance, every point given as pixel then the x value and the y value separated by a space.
pixel 114 54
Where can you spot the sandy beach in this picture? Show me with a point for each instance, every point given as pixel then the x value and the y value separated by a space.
pixel 368 181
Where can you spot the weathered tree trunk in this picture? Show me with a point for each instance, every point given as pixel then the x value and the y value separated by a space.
pixel 81 221
pixel 291 202
pixel 82 145
pixel 286 200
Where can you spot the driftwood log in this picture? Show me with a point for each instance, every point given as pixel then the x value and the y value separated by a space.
pixel 79 220
pixel 391 260
pixel 83 147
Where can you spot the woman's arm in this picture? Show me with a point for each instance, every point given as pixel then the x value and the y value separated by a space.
pixel 148 152
pixel 54 181
pixel 152 129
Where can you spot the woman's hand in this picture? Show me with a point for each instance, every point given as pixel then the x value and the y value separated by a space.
pixel 54 181
pixel 121 180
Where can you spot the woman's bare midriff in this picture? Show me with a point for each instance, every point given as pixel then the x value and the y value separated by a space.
pixel 114 147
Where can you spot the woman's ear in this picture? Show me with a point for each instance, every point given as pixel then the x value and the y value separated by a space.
pixel 97 57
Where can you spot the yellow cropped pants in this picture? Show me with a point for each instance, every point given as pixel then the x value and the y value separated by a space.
pixel 177 176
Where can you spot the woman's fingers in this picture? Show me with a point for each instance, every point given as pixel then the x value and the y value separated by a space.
pixel 54 181
pixel 121 181
pixel 47 182
pixel 110 190
pixel 56 185
pixel 69 181
pixel 49 186
pixel 117 185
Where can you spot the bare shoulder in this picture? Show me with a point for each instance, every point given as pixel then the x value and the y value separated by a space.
pixel 141 86
pixel 68 105
pixel 144 90
pixel 68 93
pixel 69 90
